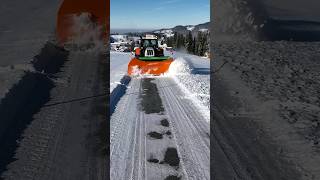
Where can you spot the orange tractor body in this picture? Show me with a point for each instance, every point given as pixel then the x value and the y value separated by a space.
pixel 149 58
pixel 153 67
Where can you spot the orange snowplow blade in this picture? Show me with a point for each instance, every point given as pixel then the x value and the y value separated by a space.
pixel 99 11
pixel 137 66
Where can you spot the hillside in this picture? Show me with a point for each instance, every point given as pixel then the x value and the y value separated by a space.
pixel 204 27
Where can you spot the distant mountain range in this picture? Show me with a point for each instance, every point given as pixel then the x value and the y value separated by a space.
pixel 168 32
pixel 184 29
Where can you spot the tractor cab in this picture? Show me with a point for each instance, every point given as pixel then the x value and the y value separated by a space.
pixel 149 47
pixel 149 58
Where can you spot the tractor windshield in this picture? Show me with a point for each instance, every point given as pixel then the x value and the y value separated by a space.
pixel 149 43
pixel 154 42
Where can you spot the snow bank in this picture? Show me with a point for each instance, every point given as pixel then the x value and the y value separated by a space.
pixel 196 86
pixel 118 67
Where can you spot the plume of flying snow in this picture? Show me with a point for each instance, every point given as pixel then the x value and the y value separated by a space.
pixel 179 67
pixel 87 35
pixel 233 20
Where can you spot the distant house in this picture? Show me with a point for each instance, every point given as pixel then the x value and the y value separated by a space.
pixel 118 45
pixel 120 42
pixel 134 38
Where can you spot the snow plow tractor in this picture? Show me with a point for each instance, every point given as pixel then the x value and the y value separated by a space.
pixel 98 11
pixel 149 58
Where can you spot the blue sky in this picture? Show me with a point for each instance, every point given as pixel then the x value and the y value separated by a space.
pixel 155 14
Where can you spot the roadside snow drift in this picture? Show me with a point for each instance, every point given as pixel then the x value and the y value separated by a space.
pixel 192 74
pixel 118 67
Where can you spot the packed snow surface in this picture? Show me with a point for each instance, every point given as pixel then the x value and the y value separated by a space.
pixel 140 140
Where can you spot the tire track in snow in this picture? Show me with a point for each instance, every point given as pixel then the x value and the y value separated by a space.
pixel 132 147
pixel 122 129
pixel 129 140
pixel 194 148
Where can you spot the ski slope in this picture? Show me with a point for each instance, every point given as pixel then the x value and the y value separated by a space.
pixel 160 126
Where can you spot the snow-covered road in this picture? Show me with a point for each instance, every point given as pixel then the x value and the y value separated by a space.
pixel 160 127
pixel 190 72
pixel 156 132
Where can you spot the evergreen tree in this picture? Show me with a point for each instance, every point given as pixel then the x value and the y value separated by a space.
pixel 206 43
pixel 182 45
pixel 194 46
pixel 198 45
pixel 182 41
pixel 202 43
pixel 189 43
pixel 175 40
pixel 168 41
pixel 178 41
pixel 199 42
